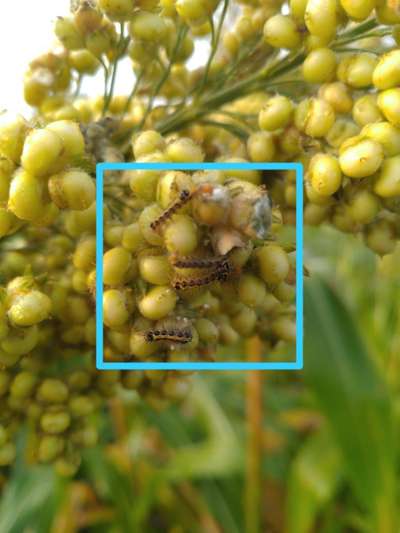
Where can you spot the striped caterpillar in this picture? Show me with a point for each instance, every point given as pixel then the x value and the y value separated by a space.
pixel 184 197
pixel 220 262
pixel 181 336
pixel 190 283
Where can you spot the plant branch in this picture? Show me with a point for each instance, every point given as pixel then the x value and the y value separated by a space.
pixel 133 92
pixel 105 69
pixel 215 38
pixel 244 53
pixel 121 48
pixel 181 35
pixel 78 86
pixel 234 129
pixel 254 416
pixel 259 80
pixel 240 89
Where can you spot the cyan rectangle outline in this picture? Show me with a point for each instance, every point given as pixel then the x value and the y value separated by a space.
pixel 292 365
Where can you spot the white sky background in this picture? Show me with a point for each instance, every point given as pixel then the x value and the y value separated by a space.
pixel 26 31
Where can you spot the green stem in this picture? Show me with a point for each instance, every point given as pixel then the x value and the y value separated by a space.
pixel 349 40
pixel 133 92
pixel 254 452
pixel 234 129
pixel 103 64
pixel 357 50
pixel 237 115
pixel 243 54
pixel 181 35
pixel 240 89
pixel 215 37
pixel 361 28
pixel 259 80
pixel 78 86
pixel 184 116
pixel 120 52
pixel 290 62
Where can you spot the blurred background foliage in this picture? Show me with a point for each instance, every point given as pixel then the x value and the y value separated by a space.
pixel 296 452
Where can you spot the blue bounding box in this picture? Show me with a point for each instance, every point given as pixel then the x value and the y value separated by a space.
pixel 297 364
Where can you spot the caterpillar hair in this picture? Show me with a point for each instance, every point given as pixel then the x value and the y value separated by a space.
pixel 184 197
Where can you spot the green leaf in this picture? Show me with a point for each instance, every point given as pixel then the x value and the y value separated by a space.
pixel 355 400
pixel 218 454
pixel 31 500
pixel 313 479
pixel 114 485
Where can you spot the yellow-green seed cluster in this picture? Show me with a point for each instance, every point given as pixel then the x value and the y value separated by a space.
pixel 192 260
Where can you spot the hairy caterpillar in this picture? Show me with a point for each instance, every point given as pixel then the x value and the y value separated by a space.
pixel 220 262
pixel 184 197
pixel 219 274
pixel 181 336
